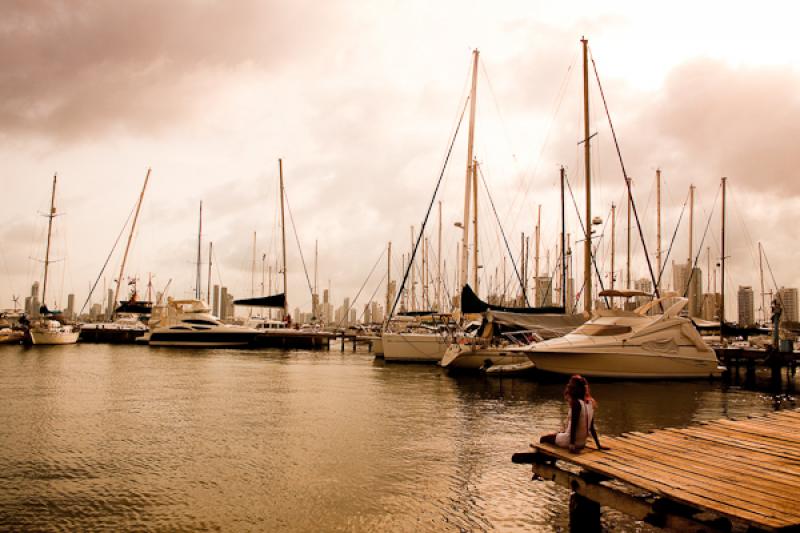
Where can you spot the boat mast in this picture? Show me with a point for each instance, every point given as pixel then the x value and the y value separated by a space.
pixel 613 242
pixel 411 256
pixel 587 245
pixel 424 273
pixel 388 282
pixel 50 218
pixel 691 226
pixel 538 299
pixel 761 271
pixel 199 242
pixel 722 272
pixel 208 293
pixel 439 306
pixel 475 225
pixel 658 228
pixel 470 141
pixel 283 241
pixel 128 245
pixel 563 247
pixel 628 260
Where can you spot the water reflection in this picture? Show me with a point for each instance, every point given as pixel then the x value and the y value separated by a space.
pixel 102 437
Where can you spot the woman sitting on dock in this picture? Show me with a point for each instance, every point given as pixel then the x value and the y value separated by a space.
pixel 580 419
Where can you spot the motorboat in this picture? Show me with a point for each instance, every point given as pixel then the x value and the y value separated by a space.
pixel 189 323
pixel 502 330
pixel 630 344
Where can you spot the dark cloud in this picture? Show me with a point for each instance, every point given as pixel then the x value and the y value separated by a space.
pixel 82 68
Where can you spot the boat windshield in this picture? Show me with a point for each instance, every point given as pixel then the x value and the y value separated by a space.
pixel 200 322
pixel 602 330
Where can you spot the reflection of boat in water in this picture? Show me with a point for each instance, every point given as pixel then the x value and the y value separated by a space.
pixel 190 323
pixel 629 344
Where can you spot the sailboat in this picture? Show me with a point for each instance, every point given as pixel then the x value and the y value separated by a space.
pixel 48 329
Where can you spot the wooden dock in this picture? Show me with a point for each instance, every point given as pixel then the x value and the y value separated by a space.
pixel 734 358
pixel 716 476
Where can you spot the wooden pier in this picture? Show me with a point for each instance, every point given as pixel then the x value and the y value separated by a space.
pixel 779 362
pixel 716 476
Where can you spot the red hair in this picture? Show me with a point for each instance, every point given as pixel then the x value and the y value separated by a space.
pixel 578 389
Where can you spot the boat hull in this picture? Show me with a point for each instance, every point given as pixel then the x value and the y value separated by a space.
pixel 53 337
pixel 201 339
pixel 414 347
pixel 633 365
pixel 466 357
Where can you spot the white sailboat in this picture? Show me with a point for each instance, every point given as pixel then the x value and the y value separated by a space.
pixel 48 330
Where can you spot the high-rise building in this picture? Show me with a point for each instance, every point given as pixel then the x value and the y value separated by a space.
pixel 29 305
pixel 745 306
pixel 353 316
pixel 643 285
pixel 789 302
pixel 571 304
pixel 695 306
pixel 544 291
pixel 69 312
pixel 710 308
pixel 680 277
pixel 110 304
pixel 223 299
pixel 215 301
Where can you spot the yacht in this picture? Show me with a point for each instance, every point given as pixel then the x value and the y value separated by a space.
pixel 630 344
pixel 189 323
pixel 416 342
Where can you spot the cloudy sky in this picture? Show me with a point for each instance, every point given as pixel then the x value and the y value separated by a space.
pixel 361 100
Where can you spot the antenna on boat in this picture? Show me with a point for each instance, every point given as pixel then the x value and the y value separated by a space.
pixel 283 240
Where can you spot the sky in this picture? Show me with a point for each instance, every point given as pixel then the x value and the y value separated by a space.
pixel 361 102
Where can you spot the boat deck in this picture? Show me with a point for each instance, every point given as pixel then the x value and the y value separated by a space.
pixel 742 471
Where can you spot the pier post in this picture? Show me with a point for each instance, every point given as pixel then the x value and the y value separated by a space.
pixel 342 349
pixel 584 514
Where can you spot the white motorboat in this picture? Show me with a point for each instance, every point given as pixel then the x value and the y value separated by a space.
pixel 189 323
pixel 630 344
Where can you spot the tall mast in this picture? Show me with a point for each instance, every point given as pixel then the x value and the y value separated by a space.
pixel 208 293
pixel 628 260
pixel 50 217
pixel 587 245
pixel 470 141
pixel 283 241
pixel 388 280
pixel 613 242
pixel 253 269
pixel 722 273
pixel 316 258
pixel 411 257
pixel 658 228
pixel 536 259
pixel 475 225
pixel 761 271
pixel 563 247
pixel 439 306
pixel 424 273
pixel 691 226
pixel 128 245
pixel 199 257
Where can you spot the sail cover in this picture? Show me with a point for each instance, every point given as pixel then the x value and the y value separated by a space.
pixel 470 303
pixel 276 300
pixel 141 307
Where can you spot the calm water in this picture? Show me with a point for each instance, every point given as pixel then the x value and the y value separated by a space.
pixel 95 437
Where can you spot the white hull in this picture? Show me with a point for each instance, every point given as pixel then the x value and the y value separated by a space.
pixel 54 337
pixel 466 357
pixel 414 347
pixel 623 364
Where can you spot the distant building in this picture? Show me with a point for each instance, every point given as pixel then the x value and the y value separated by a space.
pixel 643 285
pixel 215 301
pixel 110 304
pixel 367 314
pixel 29 305
pixel 353 316
pixel 96 312
pixel 223 298
pixel 69 312
pixel 695 306
pixel 710 307
pixel 544 291
pixel 788 299
pixel 680 277
pixel 744 299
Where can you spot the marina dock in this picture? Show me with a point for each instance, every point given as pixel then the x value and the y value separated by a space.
pixel 713 476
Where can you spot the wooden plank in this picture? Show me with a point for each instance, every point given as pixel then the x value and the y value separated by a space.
pixel 694 474
pixel 734 441
pixel 669 488
pixel 722 458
